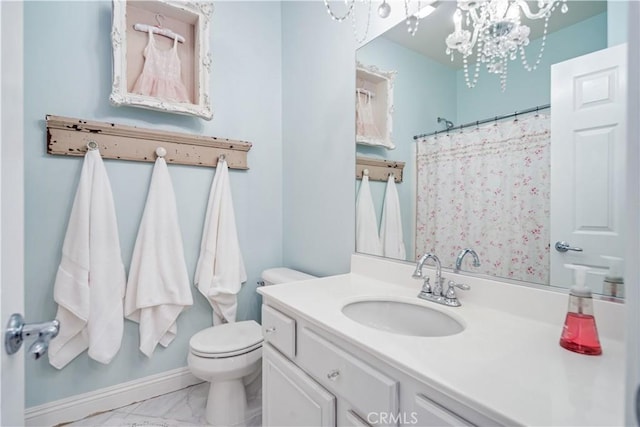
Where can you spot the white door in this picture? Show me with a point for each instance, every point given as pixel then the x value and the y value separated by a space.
pixel 11 206
pixel 588 137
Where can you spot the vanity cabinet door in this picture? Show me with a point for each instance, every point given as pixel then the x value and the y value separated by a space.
pixel 429 413
pixel 290 397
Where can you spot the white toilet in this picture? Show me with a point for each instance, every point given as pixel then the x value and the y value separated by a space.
pixel 224 355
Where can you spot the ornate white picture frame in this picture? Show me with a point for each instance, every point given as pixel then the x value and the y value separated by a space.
pixel 190 20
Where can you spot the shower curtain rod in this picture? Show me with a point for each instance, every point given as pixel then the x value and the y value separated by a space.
pixel 480 122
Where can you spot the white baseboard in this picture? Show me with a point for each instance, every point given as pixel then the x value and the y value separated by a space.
pixel 82 405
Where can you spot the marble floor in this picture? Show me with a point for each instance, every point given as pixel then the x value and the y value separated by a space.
pixel 184 407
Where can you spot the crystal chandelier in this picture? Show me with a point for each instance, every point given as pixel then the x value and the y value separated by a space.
pixel 384 10
pixel 497 34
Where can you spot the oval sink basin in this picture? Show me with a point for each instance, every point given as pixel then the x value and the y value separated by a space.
pixel 402 318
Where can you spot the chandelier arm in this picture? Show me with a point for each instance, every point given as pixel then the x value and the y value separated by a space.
pixel 540 13
pixel 475 18
pixel 474 37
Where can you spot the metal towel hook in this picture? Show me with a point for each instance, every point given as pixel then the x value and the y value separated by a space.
pixel 92 145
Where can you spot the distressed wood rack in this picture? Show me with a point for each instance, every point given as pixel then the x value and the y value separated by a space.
pixel 69 137
pixel 379 170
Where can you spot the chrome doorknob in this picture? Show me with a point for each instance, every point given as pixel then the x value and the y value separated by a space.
pixel 564 247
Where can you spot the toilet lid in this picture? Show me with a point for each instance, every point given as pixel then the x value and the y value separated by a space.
pixel 227 339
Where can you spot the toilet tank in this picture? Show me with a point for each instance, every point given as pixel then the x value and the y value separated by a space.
pixel 275 276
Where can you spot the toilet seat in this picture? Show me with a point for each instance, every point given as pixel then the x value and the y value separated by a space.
pixel 227 340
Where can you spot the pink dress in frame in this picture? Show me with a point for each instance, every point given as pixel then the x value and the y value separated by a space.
pixel 161 74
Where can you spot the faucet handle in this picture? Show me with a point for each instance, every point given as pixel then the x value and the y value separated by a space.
pixel 426 286
pixel 450 295
pixel 425 292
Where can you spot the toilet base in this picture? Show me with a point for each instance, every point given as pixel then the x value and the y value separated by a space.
pixel 226 404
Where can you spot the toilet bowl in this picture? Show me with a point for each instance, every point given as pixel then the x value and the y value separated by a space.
pixel 225 355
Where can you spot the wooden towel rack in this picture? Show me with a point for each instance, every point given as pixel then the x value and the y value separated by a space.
pixel 379 170
pixel 69 137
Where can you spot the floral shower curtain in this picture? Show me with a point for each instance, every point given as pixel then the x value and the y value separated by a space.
pixel 488 189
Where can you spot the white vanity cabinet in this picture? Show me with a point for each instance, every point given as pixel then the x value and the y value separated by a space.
pixel 312 377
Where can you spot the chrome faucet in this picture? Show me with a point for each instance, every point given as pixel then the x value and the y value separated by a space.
pixel 462 254
pixel 436 294
pixel 426 287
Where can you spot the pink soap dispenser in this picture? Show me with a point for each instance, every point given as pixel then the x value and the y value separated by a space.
pixel 579 333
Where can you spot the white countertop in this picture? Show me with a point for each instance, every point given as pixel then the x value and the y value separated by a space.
pixel 502 363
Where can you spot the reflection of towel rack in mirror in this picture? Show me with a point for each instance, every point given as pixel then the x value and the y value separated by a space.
pixel 159 29
pixel 378 169
pixel 366 92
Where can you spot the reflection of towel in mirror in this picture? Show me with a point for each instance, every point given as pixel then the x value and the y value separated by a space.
pixel 367 240
pixel 158 288
pixel 391 227
pixel 90 282
pixel 220 271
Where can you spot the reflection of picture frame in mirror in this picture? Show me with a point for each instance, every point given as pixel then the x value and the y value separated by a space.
pixel 374 106
pixel 151 69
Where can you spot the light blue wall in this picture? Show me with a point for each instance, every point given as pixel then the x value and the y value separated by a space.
pixel 618 22
pixel 423 91
pixel 68 73
pixel 528 89
pixel 318 115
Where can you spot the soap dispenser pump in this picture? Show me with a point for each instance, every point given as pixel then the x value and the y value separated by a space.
pixel 579 333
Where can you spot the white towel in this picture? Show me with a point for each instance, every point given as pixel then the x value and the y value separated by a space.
pixel 391 227
pixel 367 239
pixel 158 288
pixel 220 271
pixel 90 282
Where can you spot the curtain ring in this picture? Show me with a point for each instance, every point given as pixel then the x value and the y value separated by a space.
pixel 460 128
pixel 477 125
pixel 495 121
pixel 516 114
pixel 537 108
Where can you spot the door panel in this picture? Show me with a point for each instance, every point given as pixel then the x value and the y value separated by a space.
pixel 588 137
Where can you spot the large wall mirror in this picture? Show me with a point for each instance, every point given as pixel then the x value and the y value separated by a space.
pixel 511 189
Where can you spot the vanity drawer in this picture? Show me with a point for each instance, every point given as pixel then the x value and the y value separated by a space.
pixel 367 390
pixel 279 330
pixel 430 413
